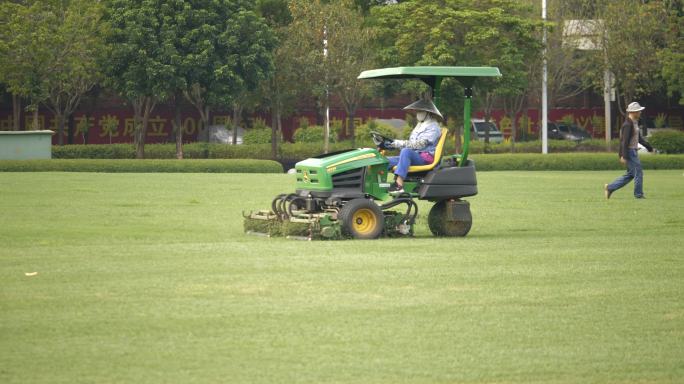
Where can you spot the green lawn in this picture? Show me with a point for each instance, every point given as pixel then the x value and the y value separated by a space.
pixel 147 278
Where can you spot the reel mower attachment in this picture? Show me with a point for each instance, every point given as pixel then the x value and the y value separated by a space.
pixel 359 218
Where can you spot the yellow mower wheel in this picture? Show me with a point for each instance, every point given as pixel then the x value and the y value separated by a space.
pixel 361 219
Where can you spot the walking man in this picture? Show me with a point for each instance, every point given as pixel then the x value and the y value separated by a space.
pixel 630 138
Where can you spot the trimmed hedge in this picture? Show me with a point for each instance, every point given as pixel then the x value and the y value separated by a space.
pixel 570 162
pixel 293 150
pixel 668 141
pixel 483 162
pixel 142 166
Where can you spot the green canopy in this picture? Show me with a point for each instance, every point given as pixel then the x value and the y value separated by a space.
pixel 465 75
pixel 433 76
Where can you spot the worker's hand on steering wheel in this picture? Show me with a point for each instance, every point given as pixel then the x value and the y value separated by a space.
pixel 381 141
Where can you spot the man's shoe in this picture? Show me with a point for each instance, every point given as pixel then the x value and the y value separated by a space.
pixel 640 197
pixel 607 191
pixel 396 189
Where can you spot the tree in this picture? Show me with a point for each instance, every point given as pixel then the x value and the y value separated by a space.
pixel 141 61
pixel 630 46
pixel 331 47
pixel 225 49
pixel 349 53
pixel 497 33
pixel 567 66
pixel 280 91
pixel 672 55
pixel 74 62
pixel 26 41
pixel 48 54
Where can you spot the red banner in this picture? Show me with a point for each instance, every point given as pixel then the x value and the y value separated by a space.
pixel 116 125
pixel 590 119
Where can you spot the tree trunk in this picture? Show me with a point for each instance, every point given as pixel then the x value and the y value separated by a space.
pixel 274 131
pixel 16 112
pixel 60 129
pixel 237 113
pixel 488 106
pixel 142 107
pixel 458 131
pixel 194 96
pixel 178 129
pixel 35 119
pixel 70 128
pixel 204 127
pixel 279 134
pixel 351 113
pixel 513 131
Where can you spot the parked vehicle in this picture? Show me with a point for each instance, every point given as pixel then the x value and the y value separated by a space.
pixel 563 131
pixel 479 131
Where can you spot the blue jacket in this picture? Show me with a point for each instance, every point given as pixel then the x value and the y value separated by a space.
pixel 424 137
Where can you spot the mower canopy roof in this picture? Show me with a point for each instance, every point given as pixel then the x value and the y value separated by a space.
pixel 465 75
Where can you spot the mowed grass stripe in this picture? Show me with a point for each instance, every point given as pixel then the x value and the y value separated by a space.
pixel 148 278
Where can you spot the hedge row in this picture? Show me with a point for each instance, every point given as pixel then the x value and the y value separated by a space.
pixel 292 150
pixel 488 162
pixel 570 162
pixel 142 166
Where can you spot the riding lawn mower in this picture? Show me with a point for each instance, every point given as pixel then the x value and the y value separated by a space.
pixel 345 194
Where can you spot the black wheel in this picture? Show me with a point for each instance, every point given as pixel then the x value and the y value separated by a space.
pixel 361 219
pixel 440 225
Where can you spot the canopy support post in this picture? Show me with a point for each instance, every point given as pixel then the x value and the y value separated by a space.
pixel 466 124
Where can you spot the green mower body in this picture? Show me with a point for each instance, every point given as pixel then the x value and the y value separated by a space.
pixel 345 194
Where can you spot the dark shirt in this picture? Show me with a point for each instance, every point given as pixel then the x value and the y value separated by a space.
pixel 626 133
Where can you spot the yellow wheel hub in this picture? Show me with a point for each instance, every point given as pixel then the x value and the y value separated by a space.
pixel 364 221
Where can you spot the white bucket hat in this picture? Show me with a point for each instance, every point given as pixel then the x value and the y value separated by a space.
pixel 634 107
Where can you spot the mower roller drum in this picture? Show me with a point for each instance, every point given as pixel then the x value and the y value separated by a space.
pixel 450 218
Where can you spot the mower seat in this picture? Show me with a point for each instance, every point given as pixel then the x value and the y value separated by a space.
pixel 438 156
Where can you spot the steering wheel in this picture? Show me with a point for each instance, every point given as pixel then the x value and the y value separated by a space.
pixel 379 139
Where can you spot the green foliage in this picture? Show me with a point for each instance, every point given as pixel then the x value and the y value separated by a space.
pixel 568 119
pixel 303 122
pixel 257 136
pixel 96 151
pixel 143 166
pixel 48 51
pixel 310 134
pixel 210 51
pixel 569 162
pixel 668 141
pixel 259 123
pixel 363 131
pixel 141 58
pixel 535 146
pixel 301 151
pixel 672 55
pixel 350 51
pixel 660 120
pixel 25 43
pixel 631 48
pixel 562 154
pixel 454 32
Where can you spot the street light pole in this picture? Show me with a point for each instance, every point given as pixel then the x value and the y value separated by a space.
pixel 326 139
pixel 545 111
pixel 607 86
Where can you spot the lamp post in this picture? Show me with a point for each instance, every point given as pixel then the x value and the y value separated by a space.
pixel 544 86
pixel 326 139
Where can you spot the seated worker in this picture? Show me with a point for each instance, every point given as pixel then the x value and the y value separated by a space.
pixel 419 149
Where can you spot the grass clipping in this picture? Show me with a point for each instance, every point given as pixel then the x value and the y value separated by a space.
pixel 264 223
